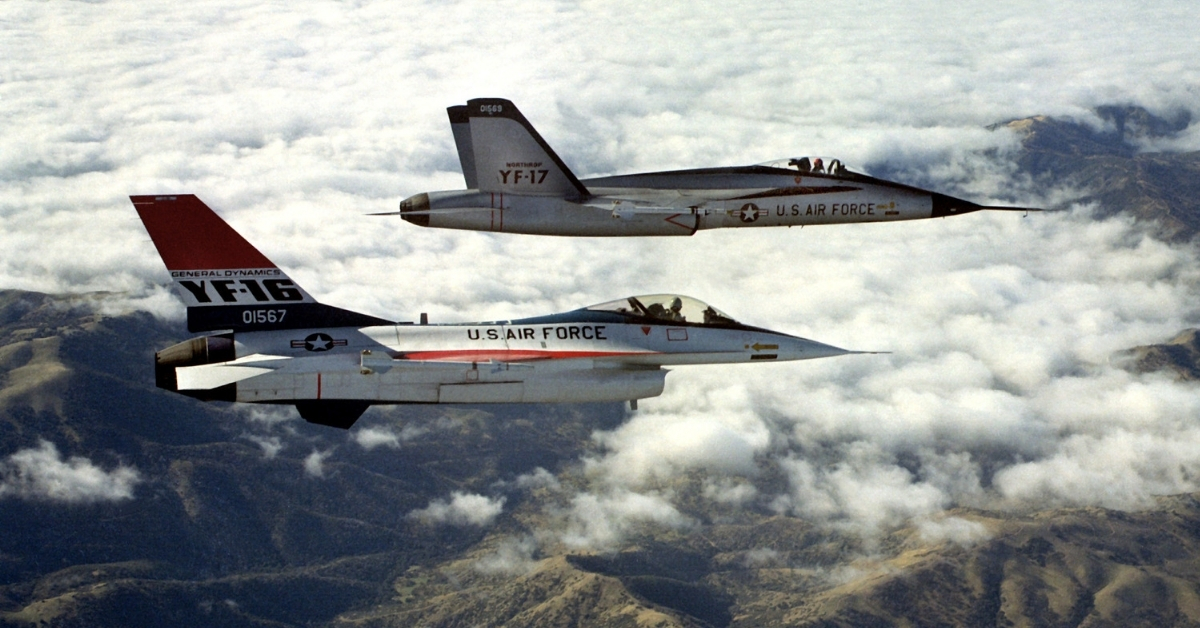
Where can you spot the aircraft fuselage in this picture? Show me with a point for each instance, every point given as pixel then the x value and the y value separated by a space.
pixel 516 183
pixel 682 203
pixel 575 357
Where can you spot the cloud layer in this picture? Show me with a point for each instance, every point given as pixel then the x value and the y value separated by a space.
pixel 294 120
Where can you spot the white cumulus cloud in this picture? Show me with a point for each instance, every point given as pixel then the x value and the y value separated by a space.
pixel 41 474
pixel 538 478
pixel 271 445
pixel 603 521
pixel 957 530
pixel 372 437
pixel 314 463
pixel 462 509
pixel 514 556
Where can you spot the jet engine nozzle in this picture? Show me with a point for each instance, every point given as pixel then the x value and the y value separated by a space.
pixel 202 350
pixel 418 204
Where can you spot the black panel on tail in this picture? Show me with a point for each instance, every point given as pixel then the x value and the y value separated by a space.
pixel 241 318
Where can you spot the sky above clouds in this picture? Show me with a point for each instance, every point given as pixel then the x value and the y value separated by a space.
pixel 294 119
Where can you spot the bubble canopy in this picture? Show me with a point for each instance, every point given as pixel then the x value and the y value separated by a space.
pixel 667 307
pixel 809 164
pixel 655 309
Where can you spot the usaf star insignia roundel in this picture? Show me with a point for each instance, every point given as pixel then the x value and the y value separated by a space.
pixel 318 342
pixel 749 212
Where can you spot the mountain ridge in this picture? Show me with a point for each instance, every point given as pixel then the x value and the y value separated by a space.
pixel 1160 189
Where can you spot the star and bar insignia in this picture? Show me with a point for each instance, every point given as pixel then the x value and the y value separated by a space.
pixel 318 342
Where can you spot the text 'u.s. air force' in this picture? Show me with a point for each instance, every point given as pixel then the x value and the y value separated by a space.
pixel 561 332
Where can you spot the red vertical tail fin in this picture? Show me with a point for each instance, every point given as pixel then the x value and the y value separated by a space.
pixel 223 280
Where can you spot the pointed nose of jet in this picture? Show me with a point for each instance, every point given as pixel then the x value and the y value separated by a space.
pixel 415 209
pixel 795 348
pixel 949 206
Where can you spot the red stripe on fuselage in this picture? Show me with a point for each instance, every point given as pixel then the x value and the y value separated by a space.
pixel 512 355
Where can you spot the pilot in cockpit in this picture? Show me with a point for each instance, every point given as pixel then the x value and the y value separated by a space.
pixel 674 313
pixel 712 317
pixel 803 164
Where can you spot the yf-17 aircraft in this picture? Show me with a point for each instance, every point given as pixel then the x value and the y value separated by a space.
pixel 278 345
pixel 517 184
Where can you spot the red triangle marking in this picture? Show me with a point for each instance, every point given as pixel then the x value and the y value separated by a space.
pixel 646 330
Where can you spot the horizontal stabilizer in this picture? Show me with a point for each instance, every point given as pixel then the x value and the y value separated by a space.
pixel 209 376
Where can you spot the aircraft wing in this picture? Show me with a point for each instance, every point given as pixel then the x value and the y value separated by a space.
pixel 676 199
pixel 210 376
pixel 627 206
pixel 382 363
pixel 646 201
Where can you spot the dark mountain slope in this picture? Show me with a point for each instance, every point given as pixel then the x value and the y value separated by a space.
pixel 1161 189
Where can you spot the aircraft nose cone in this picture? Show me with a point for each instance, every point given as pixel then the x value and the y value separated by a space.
pixel 417 203
pixel 944 205
pixel 794 348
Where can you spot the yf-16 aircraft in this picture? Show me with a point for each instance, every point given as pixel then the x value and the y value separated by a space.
pixel 517 184
pixel 280 346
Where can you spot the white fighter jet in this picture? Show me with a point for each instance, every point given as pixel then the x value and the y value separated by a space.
pixel 517 184
pixel 278 345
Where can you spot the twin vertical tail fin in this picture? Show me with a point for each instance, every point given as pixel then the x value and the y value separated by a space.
pixel 502 153
pixel 224 281
pixel 460 125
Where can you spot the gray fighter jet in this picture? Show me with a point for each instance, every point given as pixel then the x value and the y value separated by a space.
pixel 517 184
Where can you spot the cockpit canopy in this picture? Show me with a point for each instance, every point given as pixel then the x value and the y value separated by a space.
pixel 667 307
pixel 809 164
